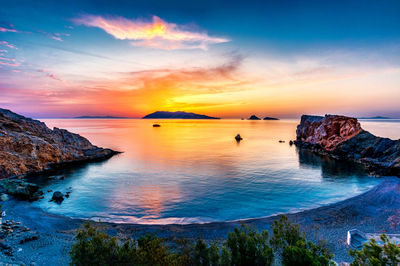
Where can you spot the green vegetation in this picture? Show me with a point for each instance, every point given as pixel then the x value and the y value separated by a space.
pixel 376 255
pixel 243 246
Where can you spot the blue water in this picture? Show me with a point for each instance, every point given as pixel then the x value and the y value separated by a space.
pixel 194 171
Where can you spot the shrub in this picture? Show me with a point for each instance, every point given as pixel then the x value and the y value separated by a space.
pixel 292 247
pixel 95 247
pixel 247 247
pixel 373 254
pixel 243 246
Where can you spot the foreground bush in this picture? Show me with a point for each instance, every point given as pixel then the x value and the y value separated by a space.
pixel 373 254
pixel 243 246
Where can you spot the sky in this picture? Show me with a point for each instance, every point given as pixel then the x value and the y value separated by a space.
pixel 228 59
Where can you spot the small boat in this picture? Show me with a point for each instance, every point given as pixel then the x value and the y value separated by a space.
pixel 156 125
pixel 238 137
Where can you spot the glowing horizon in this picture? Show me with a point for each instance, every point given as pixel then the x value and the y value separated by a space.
pixel 229 62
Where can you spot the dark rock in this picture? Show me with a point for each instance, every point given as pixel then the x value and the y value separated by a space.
pixel 156 125
pixel 253 117
pixel 238 137
pixel 270 118
pixel 20 189
pixel 281 141
pixel 58 197
pixel 5 248
pixel 29 237
pixel 343 138
pixel 291 142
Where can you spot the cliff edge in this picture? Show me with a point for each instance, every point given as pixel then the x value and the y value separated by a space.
pixel 28 146
pixel 342 137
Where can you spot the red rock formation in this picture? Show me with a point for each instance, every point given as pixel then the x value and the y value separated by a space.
pixel 328 131
pixel 343 138
pixel 28 145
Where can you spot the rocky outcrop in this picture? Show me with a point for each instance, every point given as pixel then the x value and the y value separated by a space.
pixel 270 118
pixel 28 146
pixel 253 117
pixel 342 137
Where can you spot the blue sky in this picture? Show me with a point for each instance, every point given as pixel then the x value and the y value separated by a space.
pixel 223 58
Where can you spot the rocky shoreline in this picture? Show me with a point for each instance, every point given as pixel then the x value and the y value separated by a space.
pixel 342 138
pixel 28 147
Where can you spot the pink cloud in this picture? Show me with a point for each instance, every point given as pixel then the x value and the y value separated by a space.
pixel 9 64
pixel 8 28
pixel 8 44
pixel 157 33
pixel 50 75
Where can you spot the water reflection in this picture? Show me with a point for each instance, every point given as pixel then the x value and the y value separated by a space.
pixel 330 168
pixel 195 171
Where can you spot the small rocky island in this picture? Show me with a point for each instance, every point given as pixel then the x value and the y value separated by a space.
pixel 29 146
pixel 343 138
pixel 176 115
pixel 254 117
pixel 270 118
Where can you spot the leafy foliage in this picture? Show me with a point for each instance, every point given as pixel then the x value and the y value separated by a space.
pixel 294 249
pixel 375 255
pixel 243 246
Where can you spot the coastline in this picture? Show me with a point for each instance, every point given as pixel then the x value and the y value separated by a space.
pixel 376 210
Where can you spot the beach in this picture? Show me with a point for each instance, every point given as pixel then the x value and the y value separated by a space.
pixel 375 211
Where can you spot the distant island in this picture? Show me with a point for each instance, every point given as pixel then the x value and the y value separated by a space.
pixel 270 118
pixel 101 117
pixel 176 115
pixel 375 117
pixel 253 117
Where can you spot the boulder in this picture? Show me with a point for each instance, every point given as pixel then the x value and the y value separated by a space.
pixel 58 197
pixel 238 137
pixel 20 189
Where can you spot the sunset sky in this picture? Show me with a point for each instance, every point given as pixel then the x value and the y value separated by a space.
pixel 221 58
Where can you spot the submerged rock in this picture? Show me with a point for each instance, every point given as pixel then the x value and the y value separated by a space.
pixel 28 146
pixel 58 197
pixel 343 138
pixel 20 189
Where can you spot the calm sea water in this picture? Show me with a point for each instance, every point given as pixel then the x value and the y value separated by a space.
pixel 194 171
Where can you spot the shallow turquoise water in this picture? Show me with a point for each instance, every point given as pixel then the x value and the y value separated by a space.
pixel 194 171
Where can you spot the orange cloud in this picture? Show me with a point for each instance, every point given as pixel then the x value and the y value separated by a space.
pixel 157 34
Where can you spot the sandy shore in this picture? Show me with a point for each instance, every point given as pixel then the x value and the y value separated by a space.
pixel 377 210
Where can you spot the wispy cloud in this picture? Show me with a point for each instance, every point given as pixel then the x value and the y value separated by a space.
pixel 50 75
pixel 6 27
pixel 55 36
pixel 156 33
pixel 8 44
pixel 12 63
